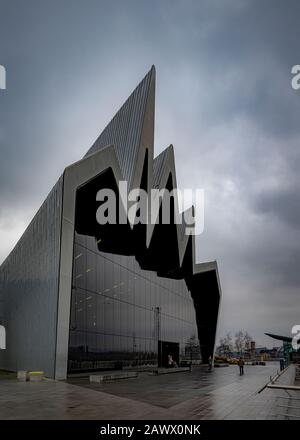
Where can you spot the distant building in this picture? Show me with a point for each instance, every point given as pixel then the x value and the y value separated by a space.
pixel 289 354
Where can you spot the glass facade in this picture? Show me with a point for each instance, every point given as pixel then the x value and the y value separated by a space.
pixel 119 312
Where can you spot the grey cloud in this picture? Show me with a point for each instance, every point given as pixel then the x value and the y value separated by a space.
pixel 284 203
pixel 223 94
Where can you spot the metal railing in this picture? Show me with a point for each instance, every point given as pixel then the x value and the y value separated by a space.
pixel 290 403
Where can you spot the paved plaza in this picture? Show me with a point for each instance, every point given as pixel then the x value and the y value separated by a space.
pixel 220 394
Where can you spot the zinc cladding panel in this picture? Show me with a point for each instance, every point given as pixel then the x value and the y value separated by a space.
pixel 158 167
pixel 124 130
pixel 29 291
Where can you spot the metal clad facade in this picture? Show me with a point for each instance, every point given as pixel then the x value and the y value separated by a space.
pixel 124 130
pixel 29 288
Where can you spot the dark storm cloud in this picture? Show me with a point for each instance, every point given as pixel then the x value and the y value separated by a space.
pixel 284 203
pixel 223 95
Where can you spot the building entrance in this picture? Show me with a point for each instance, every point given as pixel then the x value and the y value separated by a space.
pixel 168 352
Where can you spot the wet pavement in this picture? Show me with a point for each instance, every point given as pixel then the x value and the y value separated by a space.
pixel 176 388
pixel 220 394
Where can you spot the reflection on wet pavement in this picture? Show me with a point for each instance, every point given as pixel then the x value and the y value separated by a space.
pixel 221 394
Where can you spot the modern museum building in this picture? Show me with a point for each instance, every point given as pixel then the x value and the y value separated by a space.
pixel 76 295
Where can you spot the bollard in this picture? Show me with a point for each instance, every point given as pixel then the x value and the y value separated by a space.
pixel 22 375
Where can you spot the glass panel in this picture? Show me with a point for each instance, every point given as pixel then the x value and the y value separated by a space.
pixel 117 310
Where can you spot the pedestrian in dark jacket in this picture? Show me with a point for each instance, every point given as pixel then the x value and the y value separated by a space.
pixel 210 363
pixel 241 364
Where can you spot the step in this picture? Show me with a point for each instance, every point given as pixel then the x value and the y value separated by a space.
pixel 170 370
pixel 100 378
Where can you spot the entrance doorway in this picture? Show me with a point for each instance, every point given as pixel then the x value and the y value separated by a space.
pixel 164 350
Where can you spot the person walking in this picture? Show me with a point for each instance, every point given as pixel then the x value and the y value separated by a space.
pixel 281 364
pixel 241 364
pixel 209 363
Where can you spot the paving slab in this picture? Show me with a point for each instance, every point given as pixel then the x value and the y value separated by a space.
pixel 220 394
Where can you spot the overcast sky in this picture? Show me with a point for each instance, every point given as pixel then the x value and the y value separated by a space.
pixel 223 98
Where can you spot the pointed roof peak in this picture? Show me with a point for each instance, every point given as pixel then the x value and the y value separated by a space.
pixel 124 130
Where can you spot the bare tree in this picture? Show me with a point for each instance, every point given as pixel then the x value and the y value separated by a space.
pixel 239 342
pixel 225 345
pixel 242 341
pixel 247 339
pixel 192 348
